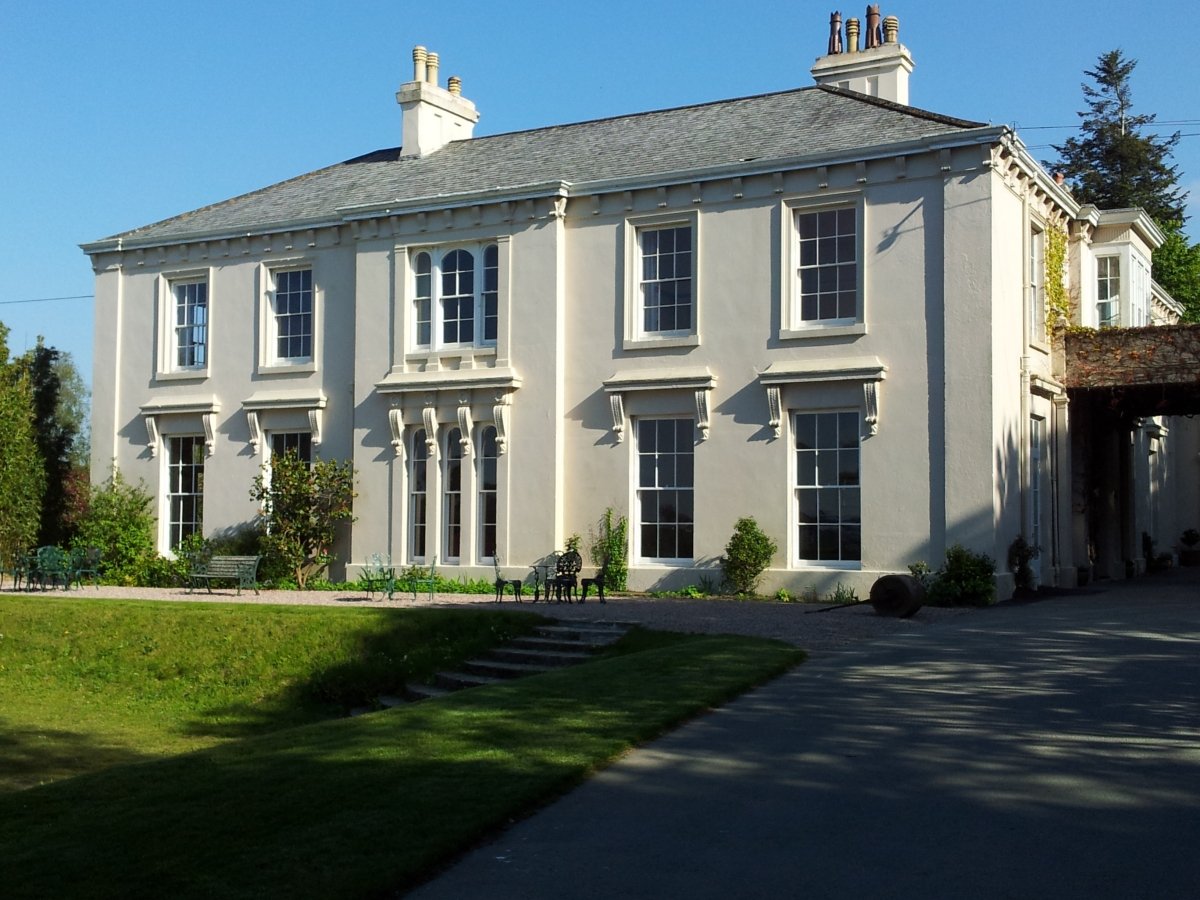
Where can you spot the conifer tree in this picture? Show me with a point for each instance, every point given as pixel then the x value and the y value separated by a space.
pixel 1113 163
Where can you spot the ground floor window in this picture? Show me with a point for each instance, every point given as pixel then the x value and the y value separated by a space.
pixel 298 442
pixel 827 488
pixel 185 488
pixel 452 499
pixel 665 484
pixel 488 484
pixel 418 511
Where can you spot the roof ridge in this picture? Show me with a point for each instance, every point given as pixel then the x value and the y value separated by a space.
pixel 916 111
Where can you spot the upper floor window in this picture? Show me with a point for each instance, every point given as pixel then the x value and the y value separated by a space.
pixel 1108 291
pixel 292 315
pixel 1139 293
pixel 826 288
pixel 190 328
pixel 1037 285
pixel 665 288
pixel 456 297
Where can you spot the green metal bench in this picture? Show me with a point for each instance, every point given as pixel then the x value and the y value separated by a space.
pixel 240 570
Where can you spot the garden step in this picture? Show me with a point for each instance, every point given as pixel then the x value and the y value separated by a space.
pixel 547 657
pixel 553 647
pixel 415 692
pixel 495 668
pixel 456 681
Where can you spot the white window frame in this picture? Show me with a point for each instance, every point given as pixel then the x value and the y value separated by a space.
pixel 453 455
pixel 794 474
pixel 793 325
pixel 1104 275
pixel 437 255
pixel 483 492
pixel 1139 291
pixel 269 362
pixel 169 463
pixel 1035 283
pixel 637 487
pixel 635 335
pixel 418 474
pixel 167 356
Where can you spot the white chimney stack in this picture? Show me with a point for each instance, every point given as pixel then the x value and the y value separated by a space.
pixel 880 69
pixel 432 116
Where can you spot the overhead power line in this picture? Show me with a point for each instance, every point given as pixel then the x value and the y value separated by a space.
pixel 47 299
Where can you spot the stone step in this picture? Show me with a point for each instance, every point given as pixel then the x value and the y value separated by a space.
pixel 565 654
pixel 494 668
pixel 456 681
pixel 415 692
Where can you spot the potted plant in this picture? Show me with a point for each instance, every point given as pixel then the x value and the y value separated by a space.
pixel 1190 554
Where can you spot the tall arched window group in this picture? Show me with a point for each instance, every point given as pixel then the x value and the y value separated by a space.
pixel 467 507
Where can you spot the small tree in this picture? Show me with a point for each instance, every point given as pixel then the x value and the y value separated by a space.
pixel 747 556
pixel 612 544
pixel 301 507
pixel 120 521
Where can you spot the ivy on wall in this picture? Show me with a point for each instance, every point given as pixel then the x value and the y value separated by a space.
pixel 1058 306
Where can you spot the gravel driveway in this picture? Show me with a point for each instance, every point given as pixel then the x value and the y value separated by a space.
pixel 802 624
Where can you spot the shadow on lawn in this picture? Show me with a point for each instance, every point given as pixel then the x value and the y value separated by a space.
pixel 32 756
pixel 410 649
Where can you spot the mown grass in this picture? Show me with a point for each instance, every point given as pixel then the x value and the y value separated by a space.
pixel 364 806
pixel 85 684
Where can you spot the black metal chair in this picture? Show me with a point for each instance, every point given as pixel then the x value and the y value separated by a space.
pixel 597 581
pixel 566 576
pixel 503 584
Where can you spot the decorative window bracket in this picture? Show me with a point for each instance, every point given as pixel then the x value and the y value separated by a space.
pixel 500 419
pixel 151 434
pixel 312 404
pixel 464 429
pixel 429 417
pixel 870 372
pixel 396 424
pixel 206 408
pixel 700 381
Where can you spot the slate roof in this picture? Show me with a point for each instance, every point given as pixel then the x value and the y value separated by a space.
pixel 809 122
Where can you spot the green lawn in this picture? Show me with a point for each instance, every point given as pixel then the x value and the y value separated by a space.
pixel 351 807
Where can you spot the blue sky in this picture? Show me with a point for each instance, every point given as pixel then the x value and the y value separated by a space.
pixel 121 113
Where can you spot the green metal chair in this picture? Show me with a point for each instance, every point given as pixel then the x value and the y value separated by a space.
pixel 53 567
pixel 426 581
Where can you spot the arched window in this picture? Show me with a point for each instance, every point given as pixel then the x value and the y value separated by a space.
pixel 488 458
pixel 423 300
pixel 458 297
pixel 418 510
pixel 452 495
pixel 455 297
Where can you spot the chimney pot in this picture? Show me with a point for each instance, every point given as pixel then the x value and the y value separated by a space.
pixel 852 35
pixel 419 54
pixel 431 68
pixel 454 85
pixel 891 30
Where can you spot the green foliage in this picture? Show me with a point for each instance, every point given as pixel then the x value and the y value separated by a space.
pixel 22 476
pixel 119 520
pixel 842 594
pixel 1112 163
pixel 302 505
pixel 1020 554
pixel 1176 266
pixel 1058 305
pixel 783 595
pixel 747 556
pixel 59 411
pixel 301 811
pixel 612 543
pixel 965 579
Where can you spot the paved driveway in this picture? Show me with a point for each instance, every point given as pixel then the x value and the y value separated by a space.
pixel 1046 750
